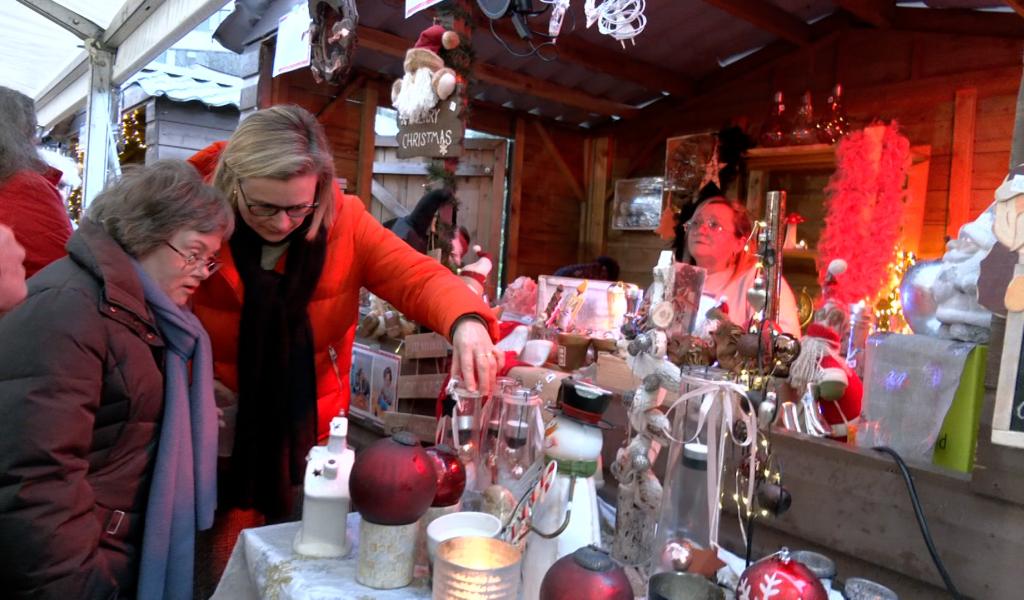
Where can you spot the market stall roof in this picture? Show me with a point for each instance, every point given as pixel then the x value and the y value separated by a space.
pixel 687 48
pixel 48 62
pixel 183 84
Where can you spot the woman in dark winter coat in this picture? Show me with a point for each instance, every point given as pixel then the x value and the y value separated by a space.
pixel 109 433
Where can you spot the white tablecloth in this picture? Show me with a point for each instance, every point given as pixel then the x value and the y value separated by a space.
pixel 264 566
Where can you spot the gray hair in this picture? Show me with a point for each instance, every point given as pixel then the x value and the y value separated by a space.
pixel 149 204
pixel 280 142
pixel 18 134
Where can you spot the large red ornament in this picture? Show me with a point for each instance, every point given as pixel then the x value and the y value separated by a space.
pixel 451 475
pixel 393 480
pixel 779 577
pixel 587 573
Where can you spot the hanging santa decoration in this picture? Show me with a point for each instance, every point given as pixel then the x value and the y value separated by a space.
pixel 427 80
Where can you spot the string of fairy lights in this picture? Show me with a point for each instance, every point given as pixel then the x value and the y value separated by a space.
pixel 131 148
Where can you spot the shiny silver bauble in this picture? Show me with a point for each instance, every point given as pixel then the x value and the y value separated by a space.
pixel 917 298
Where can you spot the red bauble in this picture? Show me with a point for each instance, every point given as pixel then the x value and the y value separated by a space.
pixel 393 480
pixel 779 577
pixel 587 573
pixel 451 475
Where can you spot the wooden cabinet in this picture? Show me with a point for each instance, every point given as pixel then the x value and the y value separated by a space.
pixel 804 172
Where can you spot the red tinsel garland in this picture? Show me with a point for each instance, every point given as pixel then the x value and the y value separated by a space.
pixel 864 204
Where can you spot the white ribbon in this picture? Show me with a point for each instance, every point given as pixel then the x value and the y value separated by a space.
pixel 721 406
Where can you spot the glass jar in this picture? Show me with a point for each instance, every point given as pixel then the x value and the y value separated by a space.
pixel 864 589
pixel 520 430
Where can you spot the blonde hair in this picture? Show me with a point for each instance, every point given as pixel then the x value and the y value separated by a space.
pixel 280 142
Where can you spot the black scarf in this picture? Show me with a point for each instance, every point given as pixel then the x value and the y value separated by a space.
pixel 277 405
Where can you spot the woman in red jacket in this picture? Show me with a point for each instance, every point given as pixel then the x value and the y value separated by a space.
pixel 29 201
pixel 283 310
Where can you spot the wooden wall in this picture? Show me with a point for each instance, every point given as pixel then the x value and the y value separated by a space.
pixel 180 129
pixel 918 79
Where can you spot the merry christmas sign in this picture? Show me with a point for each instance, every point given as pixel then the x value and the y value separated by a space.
pixel 436 135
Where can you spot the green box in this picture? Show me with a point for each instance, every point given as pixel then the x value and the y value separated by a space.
pixel 958 438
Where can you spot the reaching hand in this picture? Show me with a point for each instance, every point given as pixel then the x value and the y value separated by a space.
pixel 475 360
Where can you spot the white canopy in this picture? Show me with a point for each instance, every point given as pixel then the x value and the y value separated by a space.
pixel 67 54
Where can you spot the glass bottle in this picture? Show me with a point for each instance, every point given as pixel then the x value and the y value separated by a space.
pixel 466 431
pixel 683 526
pixel 834 126
pixel 804 129
pixel 487 468
pixel 773 132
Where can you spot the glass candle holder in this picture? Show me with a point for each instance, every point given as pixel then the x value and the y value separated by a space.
pixel 476 567
pixel 518 435
pixel 864 589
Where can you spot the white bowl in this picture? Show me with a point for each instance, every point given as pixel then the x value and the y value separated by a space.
pixel 536 352
pixel 460 524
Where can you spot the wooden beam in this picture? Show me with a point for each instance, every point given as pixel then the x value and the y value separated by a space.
pixel 768 17
pixel 334 105
pixel 958 21
pixel 965 112
pixel 879 13
pixel 420 168
pixel 616 63
pixel 367 142
pixel 560 163
pixel 387 199
pixel 599 157
pixel 395 46
pixel 1016 5
pixel 515 201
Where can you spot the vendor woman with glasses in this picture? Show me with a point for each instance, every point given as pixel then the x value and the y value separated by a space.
pixel 715 240
pixel 282 312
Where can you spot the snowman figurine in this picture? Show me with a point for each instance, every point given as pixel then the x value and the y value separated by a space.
pixel 566 519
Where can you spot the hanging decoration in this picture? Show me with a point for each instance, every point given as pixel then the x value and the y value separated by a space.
pixel 332 37
pixel 622 20
pixel 865 209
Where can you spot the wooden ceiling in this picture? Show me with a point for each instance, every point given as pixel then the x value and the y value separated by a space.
pixel 588 79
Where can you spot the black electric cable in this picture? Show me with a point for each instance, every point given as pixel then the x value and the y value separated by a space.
pixel 922 522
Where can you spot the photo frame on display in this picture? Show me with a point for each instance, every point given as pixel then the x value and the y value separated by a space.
pixel 687 288
pixel 1008 419
pixel 637 204
pixel 373 383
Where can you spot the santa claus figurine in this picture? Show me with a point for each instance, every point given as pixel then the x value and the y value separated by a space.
pixel 839 388
pixel 427 80
pixel 475 274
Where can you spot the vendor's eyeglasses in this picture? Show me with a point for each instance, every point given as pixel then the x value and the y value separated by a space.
pixel 193 260
pixel 260 209
pixel 695 225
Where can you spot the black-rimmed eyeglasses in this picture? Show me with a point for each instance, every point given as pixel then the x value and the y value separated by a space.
pixel 193 260
pixel 260 209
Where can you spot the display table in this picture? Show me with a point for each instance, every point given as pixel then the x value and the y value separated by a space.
pixel 263 565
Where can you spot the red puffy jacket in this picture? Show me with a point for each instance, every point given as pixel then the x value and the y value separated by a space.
pixel 360 253
pixel 32 207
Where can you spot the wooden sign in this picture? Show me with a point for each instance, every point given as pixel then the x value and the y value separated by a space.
pixel 1008 420
pixel 439 135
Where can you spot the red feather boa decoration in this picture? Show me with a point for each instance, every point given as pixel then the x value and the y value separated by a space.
pixel 864 204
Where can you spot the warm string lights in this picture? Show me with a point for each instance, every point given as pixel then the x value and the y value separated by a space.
pixel 131 149
pixel 888 307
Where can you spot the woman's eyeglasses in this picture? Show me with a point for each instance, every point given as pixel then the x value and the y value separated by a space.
pixel 695 225
pixel 194 260
pixel 259 209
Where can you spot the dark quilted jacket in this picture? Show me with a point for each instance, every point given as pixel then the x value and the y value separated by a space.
pixel 81 397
